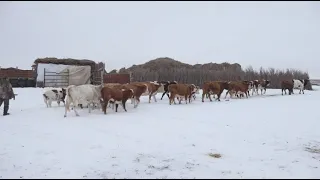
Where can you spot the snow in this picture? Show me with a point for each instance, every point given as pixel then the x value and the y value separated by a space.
pixel 259 137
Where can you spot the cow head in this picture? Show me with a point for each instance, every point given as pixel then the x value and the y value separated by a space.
pixel 267 82
pixel 64 93
pixel 192 88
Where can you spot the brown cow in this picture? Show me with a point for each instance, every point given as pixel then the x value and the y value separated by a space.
pixel 152 89
pixel 287 85
pixel 138 90
pixel 180 90
pixel 114 95
pixel 223 86
pixel 211 87
pixel 193 92
pixel 238 86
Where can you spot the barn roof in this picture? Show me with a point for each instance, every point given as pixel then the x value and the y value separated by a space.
pixel 69 61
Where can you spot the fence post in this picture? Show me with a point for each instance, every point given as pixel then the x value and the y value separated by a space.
pixel 44 77
pixel 68 77
pixel 102 73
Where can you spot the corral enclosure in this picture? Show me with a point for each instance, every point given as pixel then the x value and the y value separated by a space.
pixel 53 72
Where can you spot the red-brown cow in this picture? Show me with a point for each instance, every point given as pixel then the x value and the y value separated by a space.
pixel 211 87
pixel 115 95
pixel 287 85
pixel 180 90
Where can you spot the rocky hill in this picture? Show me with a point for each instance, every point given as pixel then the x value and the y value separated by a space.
pixel 166 63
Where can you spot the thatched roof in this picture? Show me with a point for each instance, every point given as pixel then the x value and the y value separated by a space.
pixel 69 61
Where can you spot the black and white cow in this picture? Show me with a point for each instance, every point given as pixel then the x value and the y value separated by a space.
pixel 54 95
pixel 300 84
pixel 260 85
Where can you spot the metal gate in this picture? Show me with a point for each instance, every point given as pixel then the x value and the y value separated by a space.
pixel 53 79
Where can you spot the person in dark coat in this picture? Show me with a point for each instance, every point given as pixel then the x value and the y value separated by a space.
pixel 6 93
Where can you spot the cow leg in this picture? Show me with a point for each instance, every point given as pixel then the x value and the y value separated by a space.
pixel 117 105
pixel 137 102
pixel 124 105
pixel 45 101
pixel 133 101
pixel 302 91
pixel 89 109
pixel 203 94
pixel 186 98
pixel 227 94
pixel 104 107
pixel 50 102
pixel 154 97
pixel 218 96
pixel 165 92
pixel 171 98
pixel 75 111
pixel 58 102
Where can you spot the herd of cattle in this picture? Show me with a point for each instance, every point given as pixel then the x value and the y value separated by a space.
pixel 100 96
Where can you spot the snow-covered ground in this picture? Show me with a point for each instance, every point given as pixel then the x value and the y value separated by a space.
pixel 272 136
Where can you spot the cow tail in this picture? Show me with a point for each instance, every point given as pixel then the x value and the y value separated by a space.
pixel 45 96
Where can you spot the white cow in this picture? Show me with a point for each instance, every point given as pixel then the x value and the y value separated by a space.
pixel 82 94
pixel 54 95
pixel 300 84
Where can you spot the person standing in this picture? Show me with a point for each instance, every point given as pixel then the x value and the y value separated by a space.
pixel 6 93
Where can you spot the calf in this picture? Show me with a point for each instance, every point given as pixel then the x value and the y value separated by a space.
pixel 54 95
pixel 300 84
pixel 82 94
pixel 179 91
pixel 165 87
pixel 211 88
pixel 115 96
pixel 287 85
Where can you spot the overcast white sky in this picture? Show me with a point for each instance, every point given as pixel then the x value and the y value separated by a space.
pixel 269 34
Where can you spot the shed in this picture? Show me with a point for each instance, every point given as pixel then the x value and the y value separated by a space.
pixel 54 72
